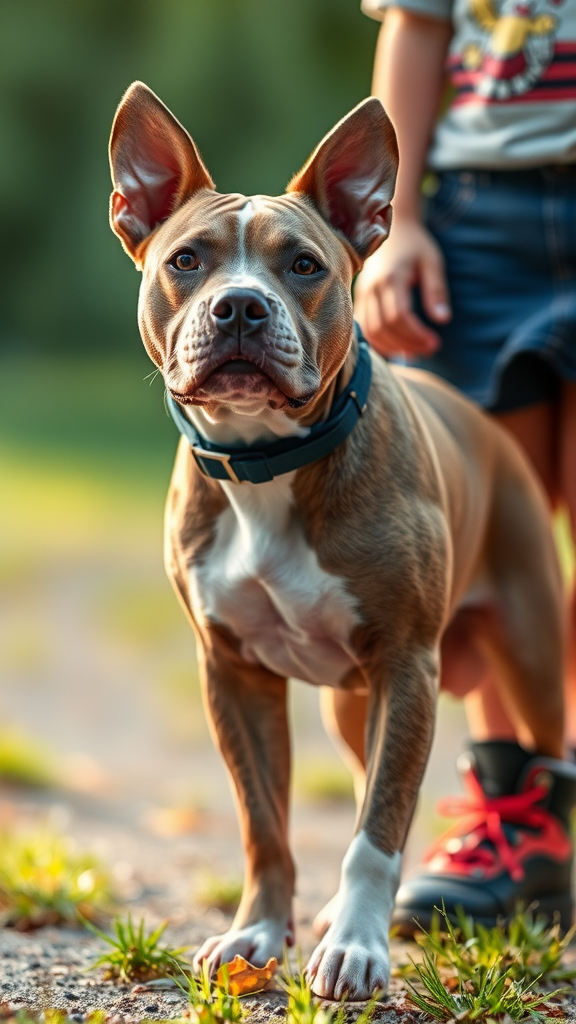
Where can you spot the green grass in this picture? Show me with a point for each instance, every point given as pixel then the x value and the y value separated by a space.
pixel 490 993
pixel 470 972
pixel 45 880
pixel 323 781
pixel 24 761
pixel 50 1016
pixel 138 955
pixel 305 1008
pixel 222 893
pixel 211 1003
pixel 527 947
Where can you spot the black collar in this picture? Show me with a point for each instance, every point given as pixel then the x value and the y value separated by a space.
pixel 258 463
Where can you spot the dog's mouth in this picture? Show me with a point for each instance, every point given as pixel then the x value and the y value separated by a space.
pixel 238 380
pixel 238 367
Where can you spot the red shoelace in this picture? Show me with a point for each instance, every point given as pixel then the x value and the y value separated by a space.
pixel 482 820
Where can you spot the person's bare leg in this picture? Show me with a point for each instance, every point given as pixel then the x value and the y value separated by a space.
pixel 567 473
pixel 535 429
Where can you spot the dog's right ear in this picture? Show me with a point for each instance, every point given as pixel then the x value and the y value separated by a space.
pixel 155 167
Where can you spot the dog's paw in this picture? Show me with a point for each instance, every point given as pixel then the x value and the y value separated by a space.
pixel 256 943
pixel 354 970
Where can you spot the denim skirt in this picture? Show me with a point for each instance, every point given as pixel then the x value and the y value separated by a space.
pixel 509 245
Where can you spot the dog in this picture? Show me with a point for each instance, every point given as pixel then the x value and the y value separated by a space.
pixel 330 517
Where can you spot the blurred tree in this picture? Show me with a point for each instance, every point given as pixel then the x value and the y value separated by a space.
pixel 256 82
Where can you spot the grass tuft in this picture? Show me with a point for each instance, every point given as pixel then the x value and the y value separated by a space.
pixel 303 1006
pixel 44 880
pixel 469 972
pixel 306 1008
pixel 136 955
pixel 24 761
pixel 211 1003
pixel 489 993
pixel 527 947
pixel 48 1016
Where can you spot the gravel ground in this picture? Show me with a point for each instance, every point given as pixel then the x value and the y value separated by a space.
pixel 156 877
pixel 48 969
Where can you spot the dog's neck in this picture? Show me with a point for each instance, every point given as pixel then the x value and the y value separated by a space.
pixel 236 428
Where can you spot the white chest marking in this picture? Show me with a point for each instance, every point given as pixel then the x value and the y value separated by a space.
pixel 263 581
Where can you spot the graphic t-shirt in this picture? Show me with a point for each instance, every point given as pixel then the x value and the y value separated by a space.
pixel 512 68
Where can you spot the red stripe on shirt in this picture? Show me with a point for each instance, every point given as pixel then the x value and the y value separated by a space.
pixel 534 96
pixel 562 72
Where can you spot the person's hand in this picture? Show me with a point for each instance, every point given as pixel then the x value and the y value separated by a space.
pixel 382 297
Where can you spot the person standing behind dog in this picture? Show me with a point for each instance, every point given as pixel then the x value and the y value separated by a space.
pixel 492 267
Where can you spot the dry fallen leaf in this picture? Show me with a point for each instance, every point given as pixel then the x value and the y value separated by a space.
pixel 244 977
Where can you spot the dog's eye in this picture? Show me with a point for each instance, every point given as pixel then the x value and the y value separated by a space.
pixel 305 266
pixel 185 261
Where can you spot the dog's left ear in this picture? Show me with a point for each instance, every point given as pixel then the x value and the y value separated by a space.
pixel 351 176
pixel 155 167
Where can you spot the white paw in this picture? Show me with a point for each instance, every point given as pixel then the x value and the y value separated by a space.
pixel 256 943
pixel 352 959
pixel 352 969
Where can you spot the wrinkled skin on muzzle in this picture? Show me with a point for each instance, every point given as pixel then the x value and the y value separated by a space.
pixel 272 349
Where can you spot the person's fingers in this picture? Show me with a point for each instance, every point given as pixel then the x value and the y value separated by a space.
pixel 405 339
pixel 414 337
pixel 434 288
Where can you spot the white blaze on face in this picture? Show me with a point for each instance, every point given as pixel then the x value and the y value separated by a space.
pixel 232 415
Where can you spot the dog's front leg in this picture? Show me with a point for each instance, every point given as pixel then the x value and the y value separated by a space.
pixel 247 709
pixel 352 957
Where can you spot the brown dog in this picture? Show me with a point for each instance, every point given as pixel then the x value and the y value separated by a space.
pixel 425 521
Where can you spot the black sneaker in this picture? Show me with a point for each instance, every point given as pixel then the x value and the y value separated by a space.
pixel 511 844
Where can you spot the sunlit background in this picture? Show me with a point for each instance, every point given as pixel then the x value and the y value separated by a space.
pixel 99 701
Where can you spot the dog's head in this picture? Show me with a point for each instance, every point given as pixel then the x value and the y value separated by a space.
pixel 245 302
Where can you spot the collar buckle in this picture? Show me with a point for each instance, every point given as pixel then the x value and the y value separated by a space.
pixel 223 457
pixel 361 408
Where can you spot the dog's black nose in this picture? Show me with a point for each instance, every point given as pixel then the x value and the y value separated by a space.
pixel 239 308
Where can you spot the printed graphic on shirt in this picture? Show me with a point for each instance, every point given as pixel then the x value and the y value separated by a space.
pixel 513 54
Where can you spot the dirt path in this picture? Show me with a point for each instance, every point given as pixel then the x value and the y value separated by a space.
pixel 46 968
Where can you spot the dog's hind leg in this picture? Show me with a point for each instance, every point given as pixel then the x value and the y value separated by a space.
pixel 344 718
